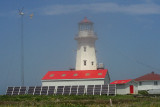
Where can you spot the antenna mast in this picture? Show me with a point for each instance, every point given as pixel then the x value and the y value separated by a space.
pixel 22 48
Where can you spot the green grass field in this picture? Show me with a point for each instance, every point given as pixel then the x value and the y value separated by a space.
pixel 78 101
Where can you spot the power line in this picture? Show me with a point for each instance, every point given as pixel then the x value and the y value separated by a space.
pixel 139 62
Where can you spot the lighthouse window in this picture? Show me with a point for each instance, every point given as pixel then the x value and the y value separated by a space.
pixel 92 63
pixel 84 49
pixel 85 62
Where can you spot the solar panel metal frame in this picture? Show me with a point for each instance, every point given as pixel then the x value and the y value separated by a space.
pixel 9 90
pixel 44 90
pixel 51 90
pixel 74 90
pixel 22 90
pixel 90 90
pixel 104 90
pixel 97 89
pixel 112 89
pixel 16 91
pixel 81 90
pixel 31 90
pixel 60 90
pixel 67 90
pixel 37 90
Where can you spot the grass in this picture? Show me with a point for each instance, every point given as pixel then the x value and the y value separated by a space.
pixel 78 101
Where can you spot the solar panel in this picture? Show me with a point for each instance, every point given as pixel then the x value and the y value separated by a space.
pixel 74 90
pixel 104 89
pixel 90 89
pixel 60 90
pixel 44 90
pixel 81 90
pixel 22 90
pixel 16 91
pixel 51 90
pixel 112 89
pixel 97 90
pixel 67 90
pixel 31 90
pixel 9 90
pixel 37 90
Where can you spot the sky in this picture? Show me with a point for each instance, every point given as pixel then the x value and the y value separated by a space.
pixel 128 37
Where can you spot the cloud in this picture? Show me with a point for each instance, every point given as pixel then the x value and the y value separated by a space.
pixel 141 9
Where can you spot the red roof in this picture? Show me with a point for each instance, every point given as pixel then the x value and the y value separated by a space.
pixel 85 20
pixel 121 81
pixel 150 76
pixel 76 74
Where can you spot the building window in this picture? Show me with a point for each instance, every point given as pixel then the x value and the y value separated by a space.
pixel 63 75
pixel 99 73
pixel 85 62
pixel 84 49
pixel 87 74
pixel 155 83
pixel 51 75
pixel 92 63
pixel 75 74
pixel 140 83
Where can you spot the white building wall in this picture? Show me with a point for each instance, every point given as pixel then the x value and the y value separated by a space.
pixel 72 82
pixel 121 89
pixel 107 79
pixel 147 85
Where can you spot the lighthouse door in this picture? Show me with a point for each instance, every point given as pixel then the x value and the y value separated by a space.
pixel 131 89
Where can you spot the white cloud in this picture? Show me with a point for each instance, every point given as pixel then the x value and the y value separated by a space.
pixel 144 9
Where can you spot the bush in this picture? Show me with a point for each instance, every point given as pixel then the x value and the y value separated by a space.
pixel 143 92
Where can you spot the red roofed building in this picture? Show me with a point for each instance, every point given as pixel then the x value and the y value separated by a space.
pixel 76 77
pixel 148 81
pixel 126 86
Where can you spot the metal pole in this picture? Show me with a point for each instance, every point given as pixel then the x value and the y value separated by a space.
pixel 22 49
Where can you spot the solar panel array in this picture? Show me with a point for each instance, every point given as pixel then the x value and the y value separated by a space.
pixel 16 90
pixel 64 90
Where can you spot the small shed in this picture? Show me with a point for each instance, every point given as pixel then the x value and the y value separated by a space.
pixel 126 86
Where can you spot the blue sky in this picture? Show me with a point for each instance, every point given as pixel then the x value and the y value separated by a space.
pixel 128 33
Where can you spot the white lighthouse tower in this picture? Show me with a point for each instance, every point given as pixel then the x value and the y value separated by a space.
pixel 86 55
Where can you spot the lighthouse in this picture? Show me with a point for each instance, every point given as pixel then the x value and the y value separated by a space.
pixel 86 71
pixel 86 54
